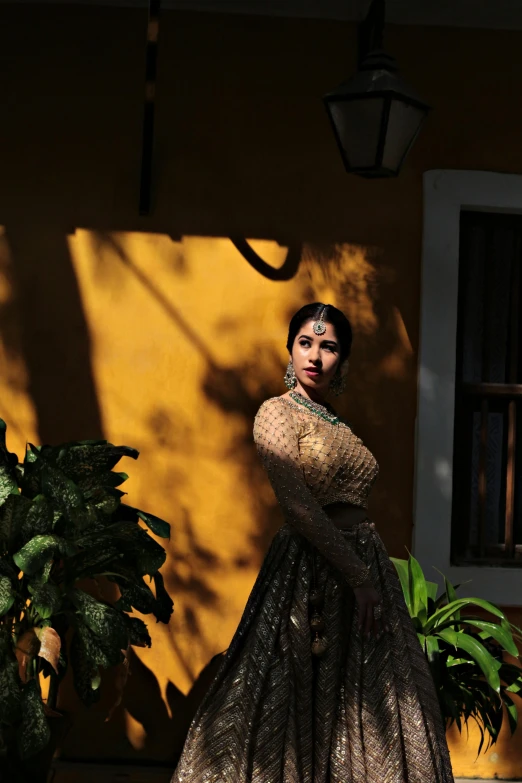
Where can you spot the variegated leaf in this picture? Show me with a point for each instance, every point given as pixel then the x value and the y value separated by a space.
pixel 85 673
pixel 34 732
pixel 34 555
pixel 50 645
pixel 38 519
pixel 80 460
pixel 158 526
pixel 102 650
pixel 101 618
pixel 10 689
pixel 7 595
pixel 42 576
pixel 62 491
pixel 47 599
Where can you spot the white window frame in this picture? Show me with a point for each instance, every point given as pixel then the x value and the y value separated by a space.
pixel 446 194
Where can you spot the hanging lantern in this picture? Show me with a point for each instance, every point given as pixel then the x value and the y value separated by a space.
pixel 375 116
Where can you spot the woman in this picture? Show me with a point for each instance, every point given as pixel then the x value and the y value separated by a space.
pixel 325 680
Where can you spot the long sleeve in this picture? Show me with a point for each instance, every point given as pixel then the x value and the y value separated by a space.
pixel 276 438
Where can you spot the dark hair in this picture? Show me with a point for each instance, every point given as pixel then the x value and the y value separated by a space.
pixel 332 315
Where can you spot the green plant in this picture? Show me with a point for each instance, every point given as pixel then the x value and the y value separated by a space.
pixel 63 527
pixel 466 652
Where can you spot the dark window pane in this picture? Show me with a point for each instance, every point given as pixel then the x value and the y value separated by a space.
pixel 483 493
pixel 471 307
pixel 489 351
pixel 518 478
pixel 497 296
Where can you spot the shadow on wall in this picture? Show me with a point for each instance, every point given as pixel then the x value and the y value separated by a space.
pixel 56 348
pixel 52 335
pixel 235 391
pixel 381 392
pixel 165 720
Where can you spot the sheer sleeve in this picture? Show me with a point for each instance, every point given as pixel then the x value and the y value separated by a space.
pixel 276 438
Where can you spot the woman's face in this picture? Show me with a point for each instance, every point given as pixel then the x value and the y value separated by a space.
pixel 315 358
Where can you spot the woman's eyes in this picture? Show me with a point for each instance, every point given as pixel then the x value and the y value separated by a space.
pixel 307 344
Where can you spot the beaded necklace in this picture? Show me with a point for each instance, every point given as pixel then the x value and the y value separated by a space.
pixel 323 411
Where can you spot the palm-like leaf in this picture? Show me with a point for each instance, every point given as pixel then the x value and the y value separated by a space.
pixel 466 653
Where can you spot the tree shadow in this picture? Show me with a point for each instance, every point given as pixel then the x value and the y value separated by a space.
pixel 236 391
pixel 54 336
pixel 192 585
pixel 355 274
pixel 165 718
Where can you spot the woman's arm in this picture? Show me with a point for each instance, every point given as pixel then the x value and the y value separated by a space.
pixel 277 443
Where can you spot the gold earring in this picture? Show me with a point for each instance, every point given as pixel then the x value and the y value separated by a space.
pixel 337 385
pixel 338 382
pixel 290 377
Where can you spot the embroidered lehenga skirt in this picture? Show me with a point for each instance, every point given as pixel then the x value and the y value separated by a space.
pixel 364 712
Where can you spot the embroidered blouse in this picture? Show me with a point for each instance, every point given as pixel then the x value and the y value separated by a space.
pixel 312 462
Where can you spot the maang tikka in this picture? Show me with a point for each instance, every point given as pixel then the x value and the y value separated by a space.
pixel 319 326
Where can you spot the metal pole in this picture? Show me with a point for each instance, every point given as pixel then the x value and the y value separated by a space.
pixel 148 108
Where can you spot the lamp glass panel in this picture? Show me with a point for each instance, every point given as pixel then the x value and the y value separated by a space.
pixel 403 125
pixel 358 124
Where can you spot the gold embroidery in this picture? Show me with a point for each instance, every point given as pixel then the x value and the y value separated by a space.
pixel 310 463
pixel 366 711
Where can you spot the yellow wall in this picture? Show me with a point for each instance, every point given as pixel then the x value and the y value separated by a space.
pixel 157 333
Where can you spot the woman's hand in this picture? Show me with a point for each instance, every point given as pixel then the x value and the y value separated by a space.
pixel 371 621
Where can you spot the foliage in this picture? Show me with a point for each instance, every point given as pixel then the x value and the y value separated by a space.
pixel 466 652
pixel 63 527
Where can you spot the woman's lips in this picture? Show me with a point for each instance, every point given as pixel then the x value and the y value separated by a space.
pixel 313 373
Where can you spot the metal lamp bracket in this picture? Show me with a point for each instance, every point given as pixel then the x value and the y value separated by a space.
pixel 371 30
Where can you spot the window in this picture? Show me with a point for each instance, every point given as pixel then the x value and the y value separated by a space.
pixel 486 499
pixel 447 196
